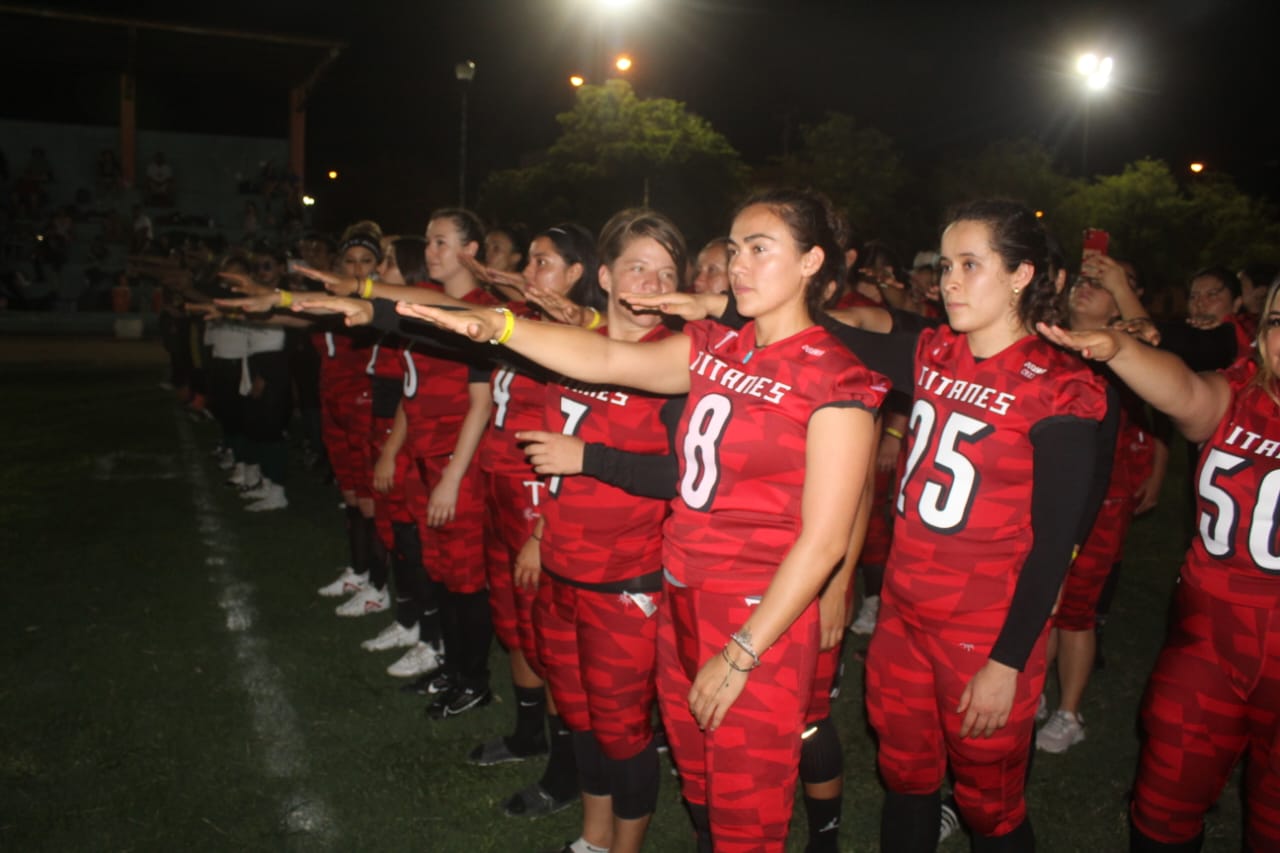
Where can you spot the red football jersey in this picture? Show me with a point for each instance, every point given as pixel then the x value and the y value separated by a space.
pixel 344 355
pixel 437 392
pixel 385 358
pixel 963 528
pixel 595 532
pixel 1236 556
pixel 519 403
pixel 742 449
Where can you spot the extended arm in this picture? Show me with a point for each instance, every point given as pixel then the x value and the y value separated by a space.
pixel 661 367
pixel 1195 402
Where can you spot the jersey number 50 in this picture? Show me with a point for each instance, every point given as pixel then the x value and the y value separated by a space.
pixel 943 508
pixel 1219 533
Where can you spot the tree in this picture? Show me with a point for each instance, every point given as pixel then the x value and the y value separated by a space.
pixel 1019 169
pixel 617 150
pixel 860 171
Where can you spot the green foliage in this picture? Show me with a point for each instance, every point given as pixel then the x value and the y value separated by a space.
pixel 618 150
pixel 1019 169
pixel 859 168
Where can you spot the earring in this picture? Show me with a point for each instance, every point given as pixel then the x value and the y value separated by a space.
pixel 1013 299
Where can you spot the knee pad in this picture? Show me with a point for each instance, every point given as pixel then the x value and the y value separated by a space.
pixel 821 756
pixel 633 783
pixel 593 774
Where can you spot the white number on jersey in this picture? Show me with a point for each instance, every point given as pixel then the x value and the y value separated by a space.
pixel 573 412
pixel 943 508
pixel 701 450
pixel 1218 527
pixel 502 395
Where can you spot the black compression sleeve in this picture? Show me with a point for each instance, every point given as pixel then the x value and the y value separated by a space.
pixel 1062 448
pixel 646 475
pixel 1103 458
pixel 892 355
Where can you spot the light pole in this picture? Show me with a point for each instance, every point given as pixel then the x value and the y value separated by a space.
pixel 1097 76
pixel 465 72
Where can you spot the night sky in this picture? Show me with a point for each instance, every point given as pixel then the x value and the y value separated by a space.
pixel 1194 79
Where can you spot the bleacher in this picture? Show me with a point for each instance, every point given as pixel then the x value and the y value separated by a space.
pixel 210 173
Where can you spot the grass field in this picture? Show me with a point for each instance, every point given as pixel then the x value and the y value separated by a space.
pixel 171 681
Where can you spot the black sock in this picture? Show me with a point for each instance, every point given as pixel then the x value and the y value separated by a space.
pixel 406 568
pixel 430 622
pixel 1141 843
pixel 377 555
pixel 475 632
pixel 355 538
pixel 560 779
pixel 531 721
pixel 700 815
pixel 909 822
pixel 824 824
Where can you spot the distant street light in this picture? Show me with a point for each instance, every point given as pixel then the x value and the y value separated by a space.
pixel 576 80
pixel 333 174
pixel 623 63
pixel 465 72
pixel 308 201
pixel 1197 167
pixel 1097 76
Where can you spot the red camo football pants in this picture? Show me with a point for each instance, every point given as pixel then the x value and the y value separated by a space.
pixel 745 771
pixel 915 679
pixel 1077 610
pixel 511 510
pixel 346 421
pixel 824 676
pixel 392 507
pixel 1214 694
pixel 453 554
pixel 598 650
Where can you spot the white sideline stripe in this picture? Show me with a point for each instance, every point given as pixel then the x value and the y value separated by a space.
pixel 275 722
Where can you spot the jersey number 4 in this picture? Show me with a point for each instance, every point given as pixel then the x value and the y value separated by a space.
pixel 1221 515
pixel 942 507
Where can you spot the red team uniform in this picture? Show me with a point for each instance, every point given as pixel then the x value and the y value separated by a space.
pixel 386 369
pixel 741 442
pixel 595 615
pixel 1215 691
pixel 346 407
pixel 454 553
pixel 514 495
pixel 963 535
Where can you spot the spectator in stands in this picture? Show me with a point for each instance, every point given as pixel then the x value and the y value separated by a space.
pixel 249 224
pixel 109 172
pixel 143 232
pixel 159 181
pixel 31 189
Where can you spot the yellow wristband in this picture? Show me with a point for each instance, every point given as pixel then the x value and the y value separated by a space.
pixel 286 298
pixel 366 289
pixel 508 326
pixel 896 433
pixel 596 319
